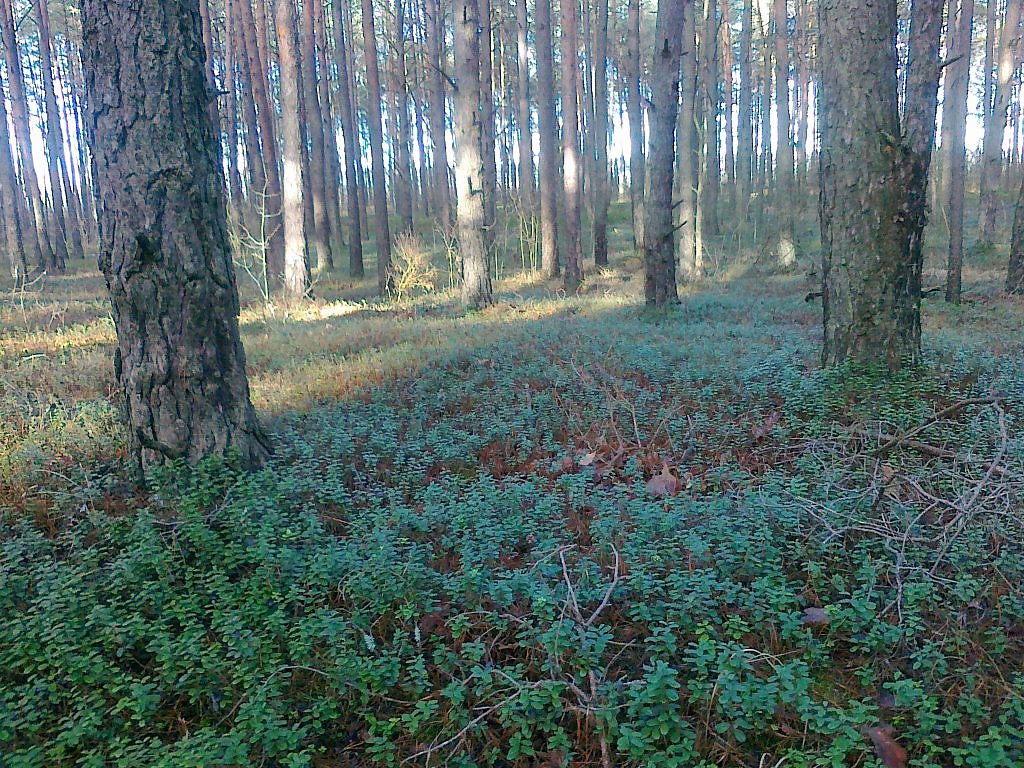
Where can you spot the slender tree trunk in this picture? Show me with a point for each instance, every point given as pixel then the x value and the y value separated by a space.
pixel 745 129
pixel 688 156
pixel 572 171
pixel 332 171
pixel 11 199
pixel 304 70
pixel 69 233
pixel 400 136
pixel 253 160
pixel 37 236
pixel 236 200
pixel 784 182
pixel 438 123
pixel 165 254
pixel 350 137
pixel 469 162
pixel 873 178
pixel 271 202
pixel 954 130
pixel 526 183
pixel 487 116
pixel 599 177
pixel 380 194
pixel 296 255
pixel 659 246
pixel 1015 272
pixel 725 43
pixel 548 126
pixel 637 170
pixel 711 168
pixel 995 121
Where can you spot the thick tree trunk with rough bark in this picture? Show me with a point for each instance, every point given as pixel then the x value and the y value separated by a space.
pixel 469 163
pixel 380 193
pixel 350 137
pixel 572 170
pixel 873 179
pixel 637 169
pixel 548 126
pixel 164 243
pixel 954 134
pixel 599 178
pixel 659 234
pixel 525 132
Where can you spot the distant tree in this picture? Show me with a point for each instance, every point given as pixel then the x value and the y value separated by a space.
pixel 572 168
pixel 547 125
pixel 164 249
pixel 350 139
pixel 487 136
pixel 400 129
pixel 1015 273
pixel 523 121
pixel 637 168
pixel 295 218
pixel 687 158
pixel 373 115
pixel 874 173
pixel 785 186
pixel 469 164
pixel 745 127
pixel 11 199
pixel 659 238
pixel 599 176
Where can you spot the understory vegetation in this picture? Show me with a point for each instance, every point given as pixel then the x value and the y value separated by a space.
pixel 554 532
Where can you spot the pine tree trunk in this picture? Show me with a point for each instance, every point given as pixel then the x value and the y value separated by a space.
pixel 995 122
pixel 954 131
pixel 438 123
pixel 332 171
pixel 873 181
pixel 11 199
pixel 399 123
pixel 599 177
pixel 69 235
pixel 165 254
pixel 487 116
pixel 637 169
pixel 711 167
pixel 547 124
pixel 745 128
pixel 688 156
pixel 350 137
pixel 37 236
pixel 469 162
pixel 1015 272
pixel 659 246
pixel 785 248
pixel 253 160
pixel 380 194
pixel 572 171
pixel 525 132
pixel 725 44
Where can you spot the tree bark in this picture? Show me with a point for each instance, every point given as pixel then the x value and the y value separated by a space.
pixel 711 167
pixel 572 171
pixel 1015 271
pixel 11 199
pixel 350 137
pixel 954 130
pixel 165 253
pixel 385 282
pixel 469 161
pixel 438 122
pixel 873 179
pixel 637 169
pixel 995 121
pixel 548 126
pixel 784 186
pixel 659 246
pixel 400 138
pixel 599 178
pixel 745 128
pixel 490 178
pixel 688 156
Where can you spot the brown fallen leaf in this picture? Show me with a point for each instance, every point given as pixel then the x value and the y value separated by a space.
pixel 587 459
pixel 664 483
pixel 889 752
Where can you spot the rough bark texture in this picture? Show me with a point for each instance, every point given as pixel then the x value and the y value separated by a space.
pixel 873 179
pixel 688 156
pixel 350 137
pixel 11 199
pixel 572 170
pixel 469 163
pixel 380 193
pixel 296 254
pixel 37 236
pixel 525 132
pixel 637 169
pixel 954 130
pixel 659 245
pixel 548 125
pixel 995 121
pixel 599 178
pixel 164 244
pixel 785 247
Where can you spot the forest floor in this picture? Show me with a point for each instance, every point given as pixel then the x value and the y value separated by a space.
pixel 560 531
